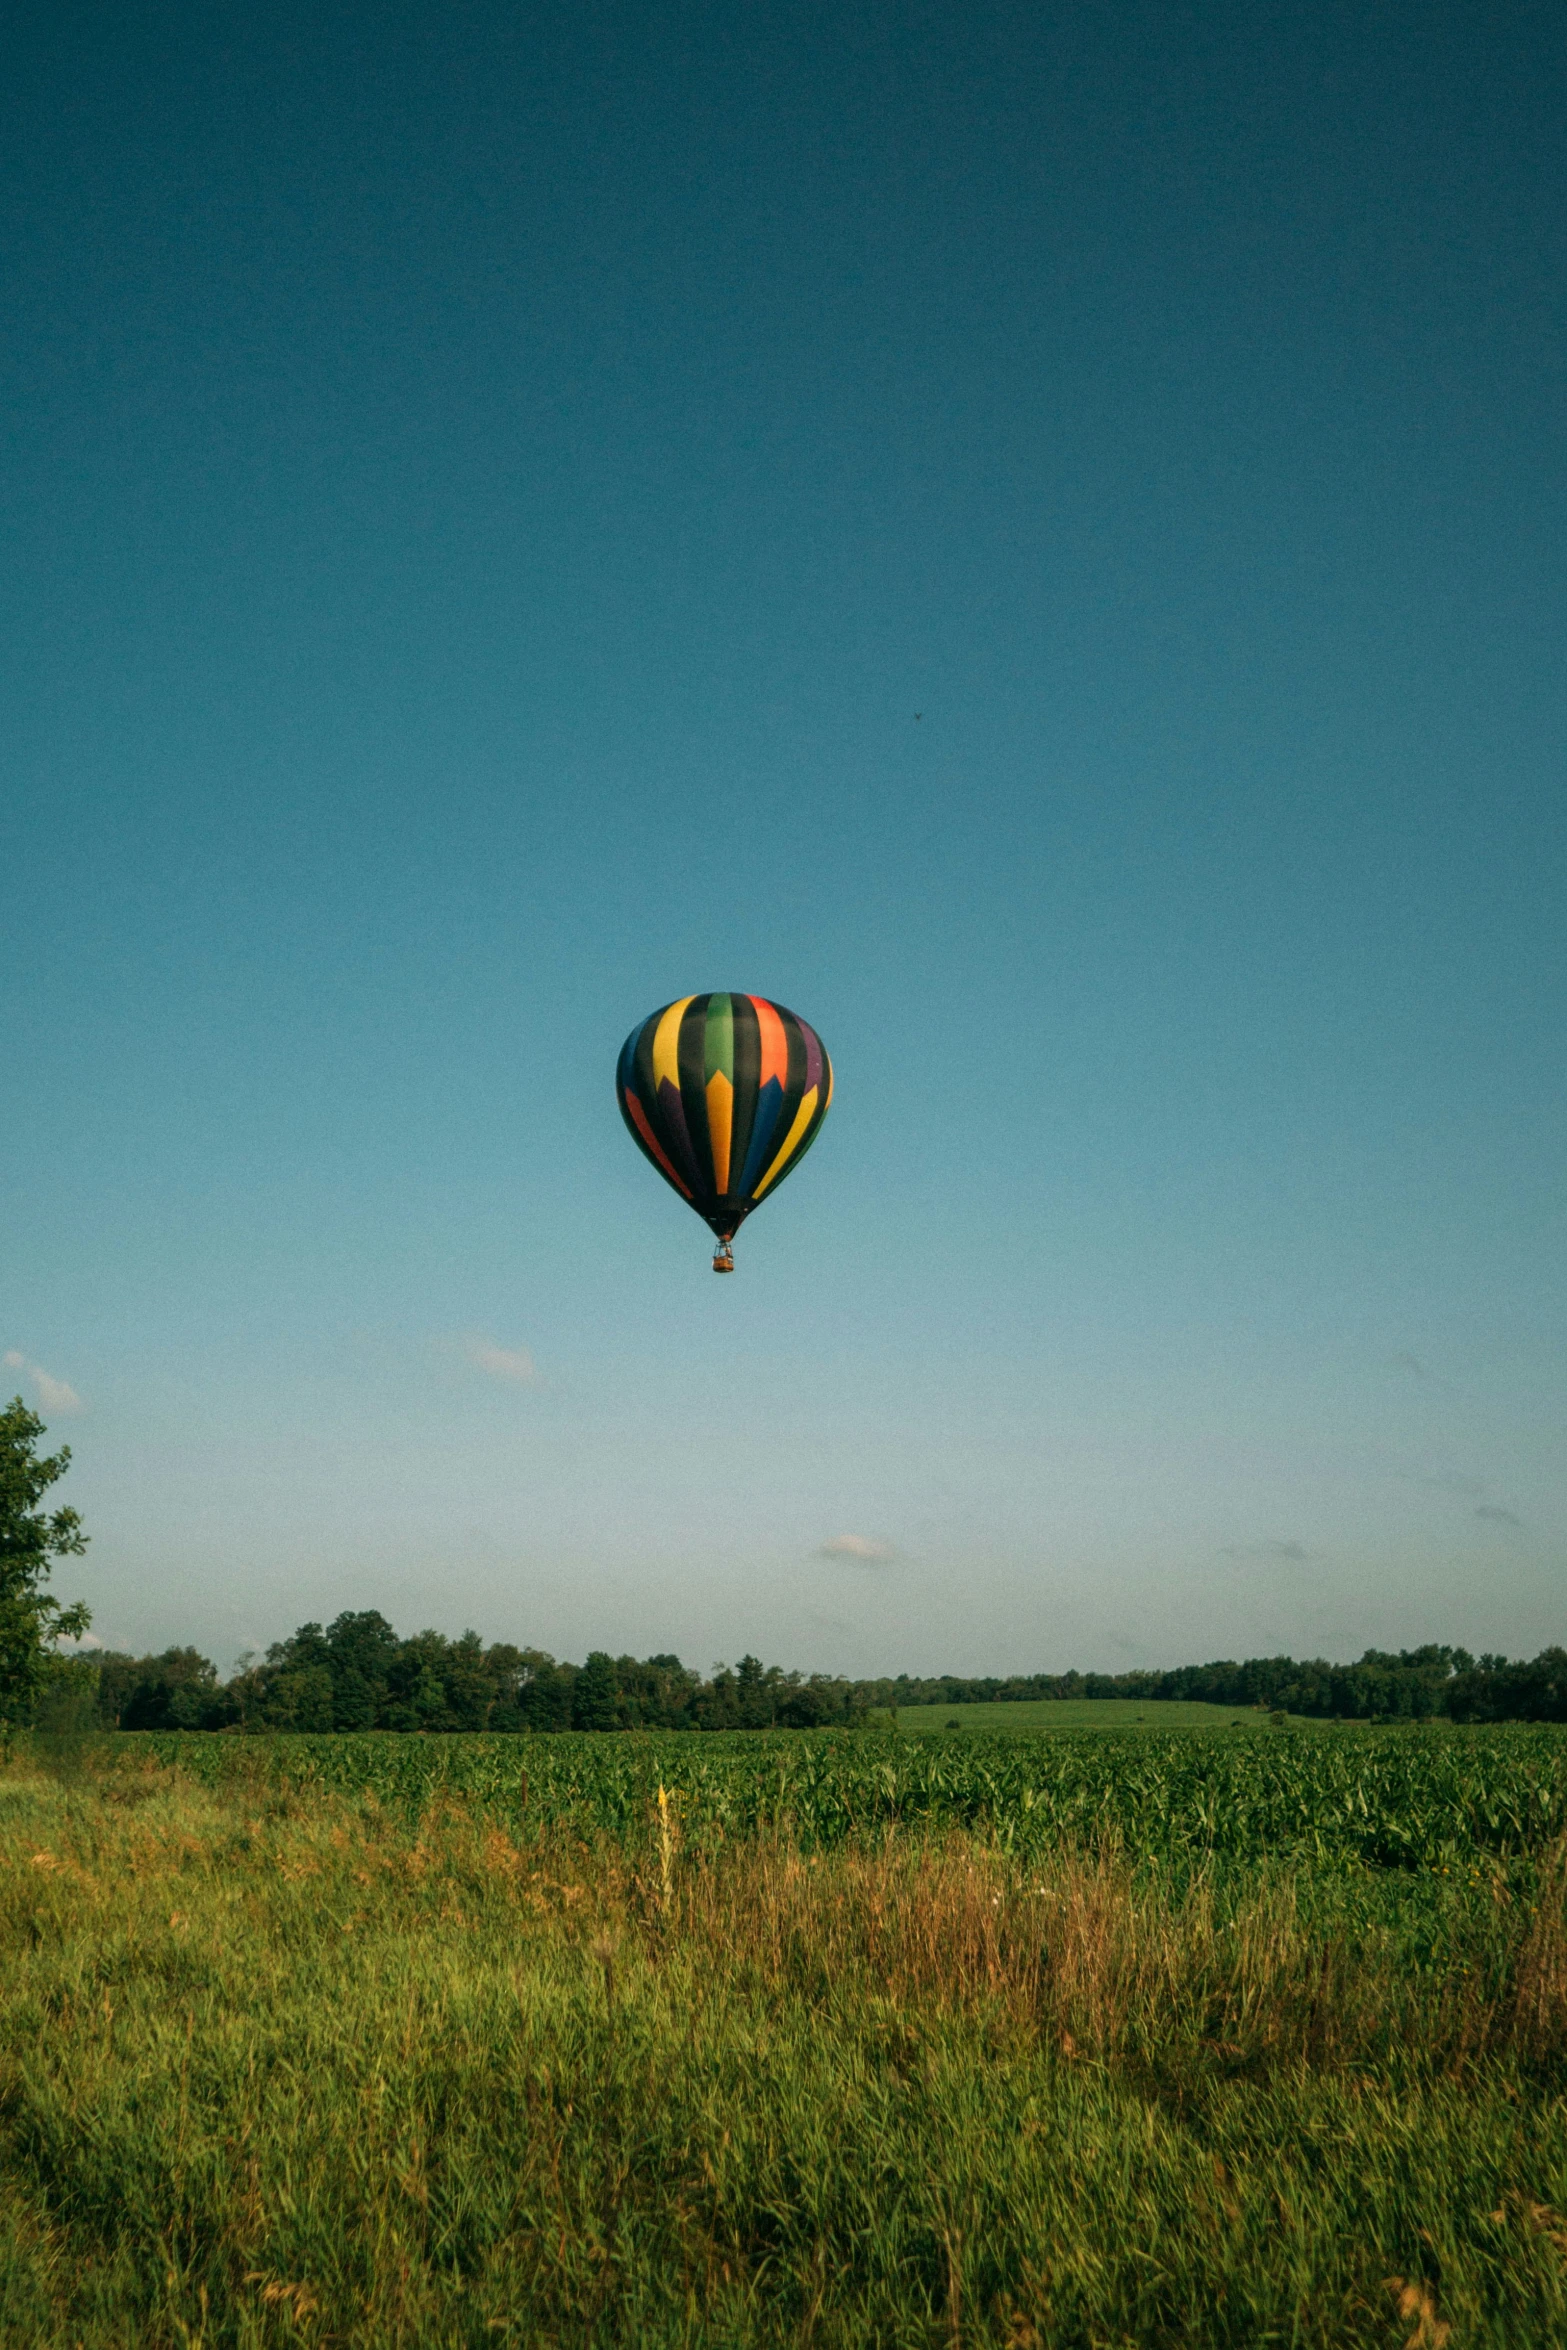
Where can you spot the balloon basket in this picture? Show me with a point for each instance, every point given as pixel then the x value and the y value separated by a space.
pixel 723 1258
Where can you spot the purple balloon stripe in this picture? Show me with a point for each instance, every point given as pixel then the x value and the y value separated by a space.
pixel 813 1056
pixel 672 1118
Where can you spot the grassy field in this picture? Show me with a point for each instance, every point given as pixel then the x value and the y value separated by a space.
pixel 1077 1713
pixel 289 2057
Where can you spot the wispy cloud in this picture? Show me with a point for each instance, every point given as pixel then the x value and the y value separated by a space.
pixel 1289 1553
pixel 513 1363
pixel 863 1547
pixel 54 1395
pixel 1466 1488
pixel 1405 1361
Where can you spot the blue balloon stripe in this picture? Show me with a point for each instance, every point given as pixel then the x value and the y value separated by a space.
pixel 767 1106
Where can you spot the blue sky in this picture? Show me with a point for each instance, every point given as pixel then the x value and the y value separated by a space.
pixel 1034 537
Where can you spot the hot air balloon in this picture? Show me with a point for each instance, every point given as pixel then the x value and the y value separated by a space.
pixel 725 1094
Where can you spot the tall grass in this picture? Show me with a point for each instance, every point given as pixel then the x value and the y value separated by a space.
pixel 280 2064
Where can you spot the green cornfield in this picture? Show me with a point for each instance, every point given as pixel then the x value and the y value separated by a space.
pixel 1407 1798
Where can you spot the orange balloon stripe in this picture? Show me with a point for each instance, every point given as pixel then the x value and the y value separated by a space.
pixel 775 1042
pixel 639 1120
pixel 720 1115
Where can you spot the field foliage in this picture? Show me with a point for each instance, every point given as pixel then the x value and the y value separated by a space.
pixel 1075 1713
pixel 1404 1798
pixel 1065 2044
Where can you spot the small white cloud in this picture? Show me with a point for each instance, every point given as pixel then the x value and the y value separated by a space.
pixel 501 1362
pixel 857 1546
pixel 54 1395
pixel 79 1646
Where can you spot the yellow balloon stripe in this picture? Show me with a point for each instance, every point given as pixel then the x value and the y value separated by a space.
pixel 720 1122
pixel 666 1045
pixel 802 1118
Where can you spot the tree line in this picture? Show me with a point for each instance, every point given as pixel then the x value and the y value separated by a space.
pixel 357 1674
pixel 1411 1684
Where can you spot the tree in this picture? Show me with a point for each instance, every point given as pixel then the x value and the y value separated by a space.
pixel 595 1700
pixel 361 1649
pixel 178 1690
pixel 806 1708
pixel 30 1620
pixel 416 1685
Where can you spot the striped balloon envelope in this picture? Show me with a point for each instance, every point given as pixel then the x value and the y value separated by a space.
pixel 724 1094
